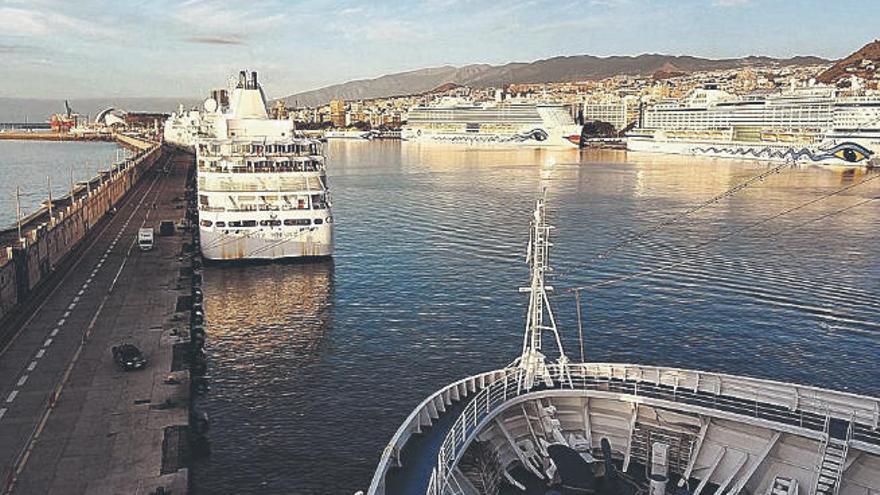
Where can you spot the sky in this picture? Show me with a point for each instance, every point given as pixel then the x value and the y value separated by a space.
pixel 182 48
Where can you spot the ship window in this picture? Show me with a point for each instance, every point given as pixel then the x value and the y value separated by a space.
pixel 206 223
pixel 319 221
pixel 235 224
pixel 270 223
pixel 249 223
pixel 221 224
pixel 297 221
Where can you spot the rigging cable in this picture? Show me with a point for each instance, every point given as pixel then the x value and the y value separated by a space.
pixel 678 217
pixel 743 229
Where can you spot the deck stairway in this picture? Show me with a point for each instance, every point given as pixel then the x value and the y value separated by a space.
pixel 834 451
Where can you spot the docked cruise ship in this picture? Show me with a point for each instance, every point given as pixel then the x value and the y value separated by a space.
pixel 520 123
pixel 262 188
pixel 181 129
pixel 545 426
pixel 813 124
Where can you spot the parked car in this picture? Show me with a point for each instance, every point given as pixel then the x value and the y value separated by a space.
pixel 129 357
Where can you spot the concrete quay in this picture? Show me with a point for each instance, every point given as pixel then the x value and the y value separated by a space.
pixel 72 422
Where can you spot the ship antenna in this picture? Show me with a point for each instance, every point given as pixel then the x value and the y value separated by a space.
pixel 540 316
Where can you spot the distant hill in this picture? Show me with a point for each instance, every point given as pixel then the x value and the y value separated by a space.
pixel 39 110
pixel 869 52
pixel 557 69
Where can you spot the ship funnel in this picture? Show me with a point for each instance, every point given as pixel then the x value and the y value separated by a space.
pixel 242 79
pixel 254 79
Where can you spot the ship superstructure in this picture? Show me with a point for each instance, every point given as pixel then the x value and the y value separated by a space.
pixel 542 426
pixel 262 188
pixel 813 124
pixel 521 123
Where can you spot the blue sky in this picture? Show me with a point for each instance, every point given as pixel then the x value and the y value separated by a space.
pixel 84 48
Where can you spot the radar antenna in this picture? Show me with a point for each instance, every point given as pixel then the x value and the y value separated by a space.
pixel 540 315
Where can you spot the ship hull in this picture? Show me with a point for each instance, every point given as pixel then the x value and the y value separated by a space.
pixel 313 242
pixel 822 154
pixel 552 139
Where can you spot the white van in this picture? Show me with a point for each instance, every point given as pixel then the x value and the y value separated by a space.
pixel 145 239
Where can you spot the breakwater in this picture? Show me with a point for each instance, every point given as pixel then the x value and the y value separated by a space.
pixel 29 255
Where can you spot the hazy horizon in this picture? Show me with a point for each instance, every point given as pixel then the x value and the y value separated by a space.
pixel 183 48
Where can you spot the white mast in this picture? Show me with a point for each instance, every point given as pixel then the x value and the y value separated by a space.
pixel 532 360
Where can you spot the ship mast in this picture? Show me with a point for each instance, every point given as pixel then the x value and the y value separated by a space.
pixel 540 316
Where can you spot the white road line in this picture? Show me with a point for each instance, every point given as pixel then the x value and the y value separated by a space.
pixel 81 292
pixel 47 343
pixel 11 396
pixel 72 305
pixel 32 366
pixel 40 353
pixel 76 299
pixel 89 281
pixel 2 412
pixel 61 322
pixel 22 380
pixel 54 333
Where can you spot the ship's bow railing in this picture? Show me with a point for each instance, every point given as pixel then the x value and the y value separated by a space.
pixel 785 403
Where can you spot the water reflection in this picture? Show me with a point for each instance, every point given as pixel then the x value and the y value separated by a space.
pixel 267 327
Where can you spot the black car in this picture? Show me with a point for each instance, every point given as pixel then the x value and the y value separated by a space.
pixel 129 357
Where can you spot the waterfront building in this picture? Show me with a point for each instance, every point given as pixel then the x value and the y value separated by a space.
pixel 617 111
pixel 337 113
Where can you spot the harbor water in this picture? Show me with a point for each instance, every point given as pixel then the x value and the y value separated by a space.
pixel 26 164
pixel 313 366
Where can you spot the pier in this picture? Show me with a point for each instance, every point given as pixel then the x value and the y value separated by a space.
pixel 71 287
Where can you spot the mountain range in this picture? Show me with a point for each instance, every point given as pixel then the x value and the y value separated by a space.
pixel 556 69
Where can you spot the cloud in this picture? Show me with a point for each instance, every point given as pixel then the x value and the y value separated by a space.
pixel 34 23
pixel 212 18
pixel 214 40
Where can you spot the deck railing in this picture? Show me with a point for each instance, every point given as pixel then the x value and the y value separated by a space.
pixel 785 403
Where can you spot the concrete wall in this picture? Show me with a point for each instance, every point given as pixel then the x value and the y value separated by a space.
pixel 28 263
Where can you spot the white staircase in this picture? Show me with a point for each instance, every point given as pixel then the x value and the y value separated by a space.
pixel 833 459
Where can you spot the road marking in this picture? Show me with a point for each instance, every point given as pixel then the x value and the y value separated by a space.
pixel 76 299
pixel 47 343
pixel 66 314
pixel 40 353
pixel 81 292
pixel 32 366
pixel 54 333
pixel 72 305
pixel 11 396
pixel 89 281
pixel 22 380
pixel 61 322
pixel 2 412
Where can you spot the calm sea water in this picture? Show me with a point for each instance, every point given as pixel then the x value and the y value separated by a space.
pixel 314 366
pixel 26 164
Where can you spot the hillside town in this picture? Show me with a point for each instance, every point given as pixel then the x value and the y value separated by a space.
pixel 614 100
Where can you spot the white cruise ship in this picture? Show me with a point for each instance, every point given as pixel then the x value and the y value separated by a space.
pixel 262 189
pixel 181 129
pixel 809 124
pixel 520 123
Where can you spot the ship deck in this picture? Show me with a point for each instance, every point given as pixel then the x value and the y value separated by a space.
pixel 411 462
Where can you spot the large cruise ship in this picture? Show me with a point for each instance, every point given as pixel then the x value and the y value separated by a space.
pixel 262 189
pixel 813 124
pixel 520 123
pixel 544 426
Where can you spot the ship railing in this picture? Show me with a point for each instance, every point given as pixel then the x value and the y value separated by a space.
pixel 783 403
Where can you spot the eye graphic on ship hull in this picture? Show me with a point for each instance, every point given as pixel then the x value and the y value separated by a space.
pixel 536 134
pixel 850 152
